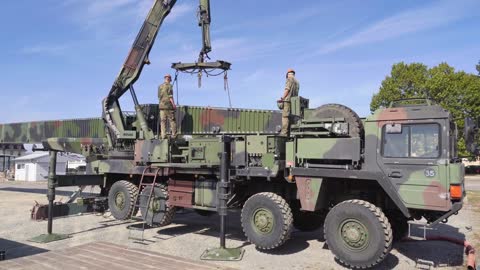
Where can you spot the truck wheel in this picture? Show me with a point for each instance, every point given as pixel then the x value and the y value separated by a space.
pixel 159 212
pixel 355 125
pixel 121 199
pixel 358 233
pixel 266 220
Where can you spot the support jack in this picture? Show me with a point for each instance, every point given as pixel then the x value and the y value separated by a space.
pixel 222 253
pixel 52 182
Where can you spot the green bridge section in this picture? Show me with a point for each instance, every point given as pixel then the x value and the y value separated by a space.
pixel 36 132
pixel 191 120
pixel 196 120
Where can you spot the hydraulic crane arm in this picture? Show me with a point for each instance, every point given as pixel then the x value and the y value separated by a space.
pixel 204 20
pixel 142 45
pixel 130 72
pixel 136 60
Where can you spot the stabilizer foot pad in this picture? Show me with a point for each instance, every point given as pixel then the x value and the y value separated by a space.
pixel 47 238
pixel 223 254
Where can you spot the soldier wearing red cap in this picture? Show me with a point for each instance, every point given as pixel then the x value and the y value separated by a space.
pixel 167 107
pixel 292 87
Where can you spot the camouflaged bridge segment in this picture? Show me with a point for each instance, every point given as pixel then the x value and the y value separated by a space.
pixel 191 120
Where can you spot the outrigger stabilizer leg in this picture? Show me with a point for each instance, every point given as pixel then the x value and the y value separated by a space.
pixel 52 182
pixel 223 253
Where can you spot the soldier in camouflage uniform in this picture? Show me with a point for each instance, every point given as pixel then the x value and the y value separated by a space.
pixel 292 87
pixel 167 107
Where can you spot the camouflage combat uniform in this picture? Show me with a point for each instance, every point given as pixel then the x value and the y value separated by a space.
pixel 165 93
pixel 293 88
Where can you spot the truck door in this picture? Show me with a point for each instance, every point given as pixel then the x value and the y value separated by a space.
pixel 411 157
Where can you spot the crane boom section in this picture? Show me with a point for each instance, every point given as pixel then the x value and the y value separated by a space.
pixel 131 69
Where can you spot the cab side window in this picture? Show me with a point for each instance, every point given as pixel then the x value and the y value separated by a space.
pixel 396 144
pixel 414 141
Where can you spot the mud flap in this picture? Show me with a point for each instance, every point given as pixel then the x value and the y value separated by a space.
pixel 308 192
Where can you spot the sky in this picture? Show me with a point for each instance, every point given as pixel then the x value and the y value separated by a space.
pixel 60 57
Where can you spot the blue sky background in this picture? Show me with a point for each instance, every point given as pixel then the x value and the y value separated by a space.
pixel 60 57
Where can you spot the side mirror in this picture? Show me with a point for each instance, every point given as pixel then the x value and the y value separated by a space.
pixel 393 128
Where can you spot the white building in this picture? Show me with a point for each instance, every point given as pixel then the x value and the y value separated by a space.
pixel 34 167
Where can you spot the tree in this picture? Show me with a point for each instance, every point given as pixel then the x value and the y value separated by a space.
pixel 478 68
pixel 456 91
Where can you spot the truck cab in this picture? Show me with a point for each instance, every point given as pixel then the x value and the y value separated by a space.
pixel 415 148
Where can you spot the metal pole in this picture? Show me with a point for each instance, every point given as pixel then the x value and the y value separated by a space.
pixel 51 188
pixel 224 180
pixel 222 253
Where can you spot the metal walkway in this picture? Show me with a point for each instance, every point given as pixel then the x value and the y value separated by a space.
pixel 102 255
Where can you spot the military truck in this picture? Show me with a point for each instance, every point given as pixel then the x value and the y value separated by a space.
pixel 362 179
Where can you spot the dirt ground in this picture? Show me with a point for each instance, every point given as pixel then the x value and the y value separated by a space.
pixel 190 234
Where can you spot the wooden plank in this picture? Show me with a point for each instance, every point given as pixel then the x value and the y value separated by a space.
pixel 103 255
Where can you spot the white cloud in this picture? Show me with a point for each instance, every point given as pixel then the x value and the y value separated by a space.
pixel 408 22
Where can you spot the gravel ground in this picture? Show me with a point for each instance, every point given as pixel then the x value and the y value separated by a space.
pixel 191 234
pixel 473 182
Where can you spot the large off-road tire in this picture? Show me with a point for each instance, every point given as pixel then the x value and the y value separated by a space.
pixel 267 220
pixel 355 125
pixel 306 221
pixel 159 213
pixel 121 199
pixel 358 233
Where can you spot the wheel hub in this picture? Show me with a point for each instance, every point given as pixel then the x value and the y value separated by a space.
pixel 263 221
pixel 354 234
pixel 120 200
pixel 155 204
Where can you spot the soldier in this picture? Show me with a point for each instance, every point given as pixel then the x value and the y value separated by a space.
pixel 167 107
pixel 292 87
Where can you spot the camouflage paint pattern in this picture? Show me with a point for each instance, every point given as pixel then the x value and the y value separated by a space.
pixel 190 120
pixel 418 183
pixel 422 183
pixel 328 149
pixel 195 120
pixel 36 132
pixel 411 182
